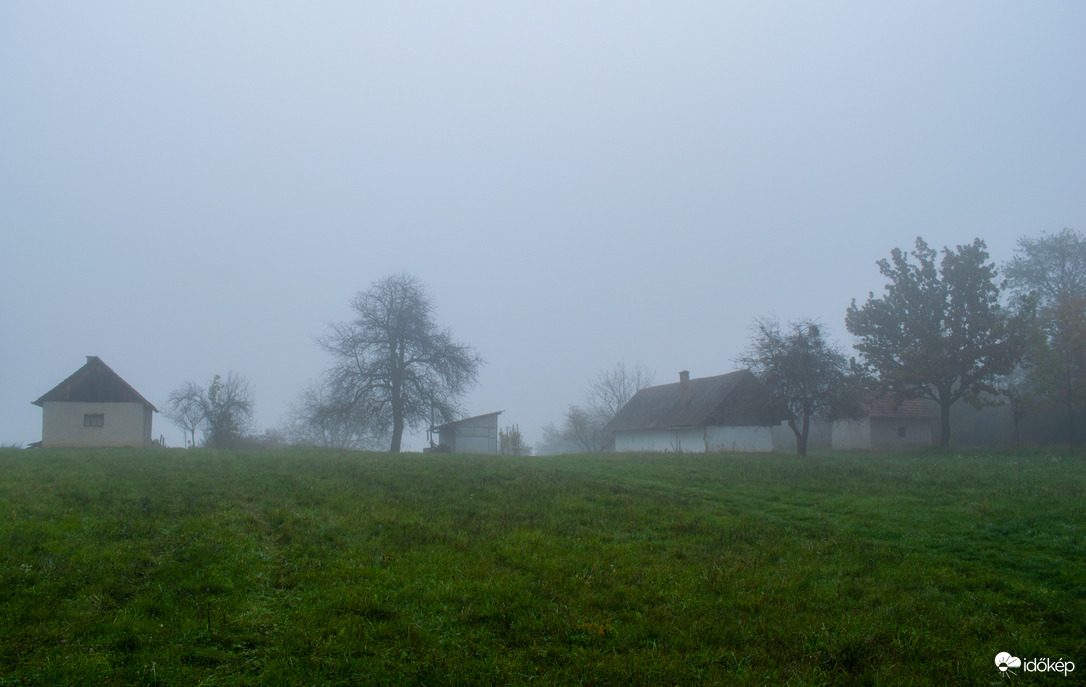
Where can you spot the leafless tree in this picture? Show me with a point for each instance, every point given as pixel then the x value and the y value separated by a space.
pixel 185 409
pixel 317 420
pixel 607 393
pixel 392 362
pixel 613 388
pixel 223 411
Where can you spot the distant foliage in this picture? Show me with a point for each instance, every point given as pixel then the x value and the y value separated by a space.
pixel 1048 280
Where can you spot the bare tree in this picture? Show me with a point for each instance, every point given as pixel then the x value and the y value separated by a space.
pixel 392 362
pixel 186 409
pixel 223 411
pixel 607 393
pixel 584 427
pixel 613 388
pixel 317 420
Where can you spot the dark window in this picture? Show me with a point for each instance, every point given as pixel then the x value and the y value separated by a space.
pixel 901 431
pixel 94 420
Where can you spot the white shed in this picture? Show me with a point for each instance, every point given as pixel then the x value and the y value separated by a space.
pixel 95 407
pixel 478 434
pixel 890 423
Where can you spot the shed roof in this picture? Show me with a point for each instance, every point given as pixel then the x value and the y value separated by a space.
pixel 448 425
pixel 736 399
pixel 95 382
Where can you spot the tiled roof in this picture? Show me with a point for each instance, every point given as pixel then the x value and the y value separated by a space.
pixel 736 399
pixel 95 382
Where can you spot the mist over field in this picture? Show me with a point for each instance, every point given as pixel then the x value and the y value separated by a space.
pixel 195 190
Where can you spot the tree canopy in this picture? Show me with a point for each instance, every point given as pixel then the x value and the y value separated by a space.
pixel 392 365
pixel 939 331
pixel 807 375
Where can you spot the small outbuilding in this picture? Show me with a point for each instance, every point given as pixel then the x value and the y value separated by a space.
pixel 891 422
pixel 730 412
pixel 477 434
pixel 95 407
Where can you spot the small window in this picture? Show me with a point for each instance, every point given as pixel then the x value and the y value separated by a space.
pixel 901 431
pixel 94 420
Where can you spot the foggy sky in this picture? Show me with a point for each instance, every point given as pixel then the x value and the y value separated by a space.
pixel 196 188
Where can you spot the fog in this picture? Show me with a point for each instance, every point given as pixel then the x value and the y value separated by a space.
pixel 193 189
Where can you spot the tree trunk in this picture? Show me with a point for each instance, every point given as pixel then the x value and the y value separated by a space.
pixel 801 442
pixel 801 435
pixel 1070 399
pixel 397 397
pixel 397 434
pixel 397 420
pixel 944 420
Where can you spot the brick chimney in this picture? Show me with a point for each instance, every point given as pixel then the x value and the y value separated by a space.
pixel 684 386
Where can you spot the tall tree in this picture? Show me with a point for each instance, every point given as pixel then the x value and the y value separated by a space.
pixel 392 363
pixel 224 410
pixel 939 332
pixel 1049 275
pixel 808 376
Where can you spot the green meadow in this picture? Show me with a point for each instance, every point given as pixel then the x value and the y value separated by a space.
pixel 175 567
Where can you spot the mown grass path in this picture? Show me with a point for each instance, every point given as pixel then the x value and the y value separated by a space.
pixel 178 567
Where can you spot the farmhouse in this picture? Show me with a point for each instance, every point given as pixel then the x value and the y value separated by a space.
pixel 95 407
pixel 730 412
pixel 478 434
pixel 891 422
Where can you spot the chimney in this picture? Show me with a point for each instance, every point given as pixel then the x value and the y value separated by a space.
pixel 684 386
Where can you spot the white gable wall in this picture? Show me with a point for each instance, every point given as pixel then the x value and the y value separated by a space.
pixel 124 424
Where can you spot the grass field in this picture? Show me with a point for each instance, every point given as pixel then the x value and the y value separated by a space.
pixel 174 567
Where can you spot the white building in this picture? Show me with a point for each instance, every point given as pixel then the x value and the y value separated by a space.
pixel 95 407
pixel 731 412
pixel 478 434
pixel 890 423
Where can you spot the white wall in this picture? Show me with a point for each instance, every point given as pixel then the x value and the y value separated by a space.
pixel 852 434
pixel 882 433
pixel 478 435
pixel 696 440
pixel 124 424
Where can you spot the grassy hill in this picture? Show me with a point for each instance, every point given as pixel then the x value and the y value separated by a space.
pixel 179 567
